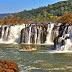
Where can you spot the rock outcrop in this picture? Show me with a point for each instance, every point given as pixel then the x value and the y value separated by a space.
pixel 8 66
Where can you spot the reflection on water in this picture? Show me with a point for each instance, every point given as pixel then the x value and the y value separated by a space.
pixel 37 62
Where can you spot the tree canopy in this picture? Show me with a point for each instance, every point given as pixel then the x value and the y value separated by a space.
pixel 58 12
pixel 66 18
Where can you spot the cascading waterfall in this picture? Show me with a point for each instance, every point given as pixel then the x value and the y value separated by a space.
pixel 49 30
pixel 70 32
pixel 67 44
pixel 35 35
pixel 11 34
pixel 63 42
pixel 29 37
pixel 39 33
pixel 67 35
pixel 25 33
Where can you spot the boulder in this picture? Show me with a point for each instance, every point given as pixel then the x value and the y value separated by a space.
pixel 8 66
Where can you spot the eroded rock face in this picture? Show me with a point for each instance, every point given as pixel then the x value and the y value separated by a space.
pixel 8 66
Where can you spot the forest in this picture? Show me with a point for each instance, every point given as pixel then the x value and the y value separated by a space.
pixel 58 12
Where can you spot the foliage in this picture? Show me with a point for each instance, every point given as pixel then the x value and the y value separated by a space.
pixel 66 18
pixel 50 13
pixel 12 20
pixel 46 13
pixel 57 9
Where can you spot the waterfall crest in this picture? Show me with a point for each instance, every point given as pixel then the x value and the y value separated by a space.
pixel 26 33
pixel 44 33
pixel 63 42
pixel 10 34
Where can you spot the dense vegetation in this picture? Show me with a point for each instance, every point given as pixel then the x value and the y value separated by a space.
pixel 50 13
pixel 47 13
pixel 66 18
pixel 12 20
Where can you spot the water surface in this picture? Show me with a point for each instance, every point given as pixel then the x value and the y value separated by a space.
pixel 37 61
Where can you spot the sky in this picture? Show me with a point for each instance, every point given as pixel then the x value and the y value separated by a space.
pixel 11 6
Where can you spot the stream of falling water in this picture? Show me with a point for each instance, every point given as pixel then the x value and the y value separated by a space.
pixel 29 37
pixel 13 34
pixel 49 30
pixel 38 40
pixel 35 35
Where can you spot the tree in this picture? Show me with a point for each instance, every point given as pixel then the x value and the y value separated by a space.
pixel 66 18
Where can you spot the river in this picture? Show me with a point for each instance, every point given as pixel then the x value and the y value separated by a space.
pixel 37 61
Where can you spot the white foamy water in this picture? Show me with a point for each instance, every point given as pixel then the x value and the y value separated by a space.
pixel 14 33
pixel 29 37
pixel 49 30
pixel 31 33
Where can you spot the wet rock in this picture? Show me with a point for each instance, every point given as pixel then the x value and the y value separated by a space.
pixel 8 66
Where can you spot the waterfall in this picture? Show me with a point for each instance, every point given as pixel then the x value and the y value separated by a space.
pixel 25 33
pixel 64 38
pixel 70 32
pixel 67 43
pixel 35 35
pixel 49 30
pixel 29 36
pixel 39 35
pixel 11 34
pixel 7 33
